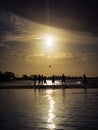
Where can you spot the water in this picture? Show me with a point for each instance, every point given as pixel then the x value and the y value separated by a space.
pixel 58 109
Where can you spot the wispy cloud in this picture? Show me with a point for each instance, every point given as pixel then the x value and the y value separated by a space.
pixel 21 37
pixel 15 28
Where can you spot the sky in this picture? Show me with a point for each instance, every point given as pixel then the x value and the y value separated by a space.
pixel 37 34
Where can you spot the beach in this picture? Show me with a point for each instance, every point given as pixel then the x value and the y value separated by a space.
pixel 49 109
pixel 29 84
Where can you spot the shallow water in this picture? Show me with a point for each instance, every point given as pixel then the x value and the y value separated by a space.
pixel 72 82
pixel 30 82
pixel 58 109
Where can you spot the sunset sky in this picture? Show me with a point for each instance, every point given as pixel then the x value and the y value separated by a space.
pixel 37 33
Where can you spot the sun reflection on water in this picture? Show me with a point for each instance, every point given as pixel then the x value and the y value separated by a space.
pixel 51 115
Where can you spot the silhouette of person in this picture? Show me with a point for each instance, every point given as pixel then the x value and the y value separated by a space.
pixel 45 82
pixel 42 78
pixel 39 79
pixel 85 80
pixel 53 79
pixel 63 79
pixel 34 80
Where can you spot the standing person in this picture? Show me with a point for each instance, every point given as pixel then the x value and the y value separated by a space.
pixel 39 79
pixel 34 80
pixel 45 78
pixel 85 81
pixel 53 79
pixel 63 79
pixel 42 78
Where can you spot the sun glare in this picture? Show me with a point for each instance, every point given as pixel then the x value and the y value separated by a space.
pixel 49 43
pixel 49 40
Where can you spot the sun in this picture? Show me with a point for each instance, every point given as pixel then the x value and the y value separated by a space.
pixel 49 40
pixel 48 43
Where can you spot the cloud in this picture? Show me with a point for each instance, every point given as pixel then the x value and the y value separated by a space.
pixel 22 41
pixel 62 55
pixel 15 28
pixel 42 57
pixel 4 49
pixel 21 37
pixel 34 57
pixel 4 45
